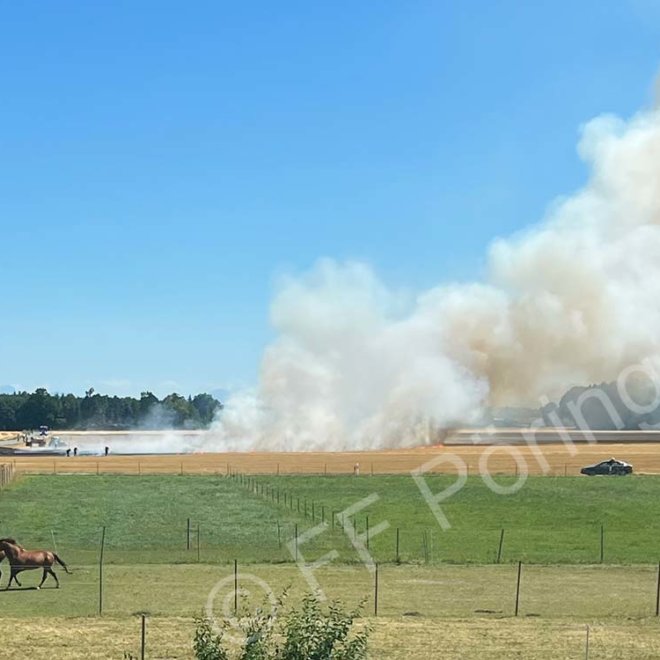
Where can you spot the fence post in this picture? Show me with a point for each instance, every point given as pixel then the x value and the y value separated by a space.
pixel 586 650
pixel 518 586
pixel 188 535
pixel 279 537
pixel 296 540
pixel 101 571
pixel 144 635
pixel 398 556
pixel 657 593
pixel 235 586
pixel 367 530
pixel 499 550
pixel 602 543
pixel 376 592
pixel 198 543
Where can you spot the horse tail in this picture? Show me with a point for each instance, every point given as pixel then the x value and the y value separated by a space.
pixel 61 563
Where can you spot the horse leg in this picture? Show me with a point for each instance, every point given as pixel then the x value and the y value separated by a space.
pixel 52 572
pixel 12 576
pixel 43 578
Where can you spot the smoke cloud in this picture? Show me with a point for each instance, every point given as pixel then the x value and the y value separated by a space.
pixel 573 300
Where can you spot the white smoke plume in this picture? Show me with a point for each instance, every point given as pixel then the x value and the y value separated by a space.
pixel 572 301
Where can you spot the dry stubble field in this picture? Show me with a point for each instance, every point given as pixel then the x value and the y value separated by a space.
pixel 498 459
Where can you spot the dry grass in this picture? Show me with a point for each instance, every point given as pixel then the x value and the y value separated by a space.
pixel 547 593
pixel 395 638
pixel 645 457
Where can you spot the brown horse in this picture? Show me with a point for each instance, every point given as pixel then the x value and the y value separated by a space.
pixel 24 560
pixel 2 552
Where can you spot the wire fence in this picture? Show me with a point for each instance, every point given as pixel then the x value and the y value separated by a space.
pixel 7 474
pixel 141 559
pixel 261 521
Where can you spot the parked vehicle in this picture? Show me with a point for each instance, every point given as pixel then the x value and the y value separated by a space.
pixel 611 467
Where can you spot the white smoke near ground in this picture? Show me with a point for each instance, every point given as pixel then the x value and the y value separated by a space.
pixel 573 300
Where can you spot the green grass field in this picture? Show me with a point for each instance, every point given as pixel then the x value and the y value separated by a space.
pixel 549 521
pixel 447 597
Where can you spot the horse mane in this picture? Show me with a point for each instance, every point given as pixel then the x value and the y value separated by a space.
pixel 12 541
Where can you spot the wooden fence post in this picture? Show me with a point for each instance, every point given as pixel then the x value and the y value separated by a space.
pixel 101 571
pixel 518 586
pixel 235 587
pixel 143 637
pixel 499 549
pixel 398 556
pixel 657 594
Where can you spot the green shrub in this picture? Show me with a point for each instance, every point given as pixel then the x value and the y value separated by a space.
pixel 207 644
pixel 310 632
pixel 315 634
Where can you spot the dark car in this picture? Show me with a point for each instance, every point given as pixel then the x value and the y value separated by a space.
pixel 612 466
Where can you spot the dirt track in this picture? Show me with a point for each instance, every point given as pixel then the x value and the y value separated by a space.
pixel 645 458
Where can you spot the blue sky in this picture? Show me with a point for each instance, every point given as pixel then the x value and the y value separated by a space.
pixel 162 163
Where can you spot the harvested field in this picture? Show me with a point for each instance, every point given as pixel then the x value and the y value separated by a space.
pixel 413 639
pixel 645 456
pixel 465 623
pixel 418 593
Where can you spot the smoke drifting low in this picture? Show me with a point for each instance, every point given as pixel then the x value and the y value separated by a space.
pixel 572 301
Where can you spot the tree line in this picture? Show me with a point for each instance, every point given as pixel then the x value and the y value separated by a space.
pixel 25 410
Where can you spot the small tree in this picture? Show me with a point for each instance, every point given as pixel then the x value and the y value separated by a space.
pixel 312 632
pixel 315 634
pixel 207 644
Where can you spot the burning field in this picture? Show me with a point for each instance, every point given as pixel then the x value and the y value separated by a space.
pixel 504 452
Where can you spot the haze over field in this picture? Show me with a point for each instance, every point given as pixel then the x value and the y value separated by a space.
pixel 572 300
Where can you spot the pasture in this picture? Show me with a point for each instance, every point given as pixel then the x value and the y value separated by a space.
pixel 548 521
pixel 446 592
pixel 461 611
